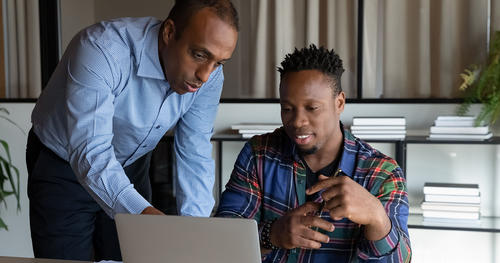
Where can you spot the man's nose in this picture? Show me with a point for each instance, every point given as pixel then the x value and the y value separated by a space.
pixel 300 119
pixel 203 72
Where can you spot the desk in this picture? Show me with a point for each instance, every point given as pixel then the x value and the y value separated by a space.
pixel 36 260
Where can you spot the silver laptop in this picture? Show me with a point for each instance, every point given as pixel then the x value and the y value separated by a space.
pixel 179 239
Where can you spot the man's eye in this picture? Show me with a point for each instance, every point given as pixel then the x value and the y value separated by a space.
pixel 197 55
pixel 312 108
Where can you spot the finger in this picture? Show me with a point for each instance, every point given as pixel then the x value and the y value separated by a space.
pixel 306 243
pixel 307 208
pixel 314 221
pixel 315 235
pixel 322 177
pixel 333 192
pixel 319 185
pixel 340 212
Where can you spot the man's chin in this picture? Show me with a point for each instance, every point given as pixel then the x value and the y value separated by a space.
pixel 307 151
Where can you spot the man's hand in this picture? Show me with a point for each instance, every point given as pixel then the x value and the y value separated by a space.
pixel 347 199
pixel 294 229
pixel 151 211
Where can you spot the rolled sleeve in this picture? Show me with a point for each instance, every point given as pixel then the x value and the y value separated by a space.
pixel 379 248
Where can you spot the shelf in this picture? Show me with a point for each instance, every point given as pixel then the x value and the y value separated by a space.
pixel 424 140
pixel 486 224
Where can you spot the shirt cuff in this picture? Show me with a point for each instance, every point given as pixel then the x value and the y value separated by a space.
pixel 130 201
pixel 382 247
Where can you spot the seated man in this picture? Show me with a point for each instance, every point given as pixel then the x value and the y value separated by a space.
pixel 318 193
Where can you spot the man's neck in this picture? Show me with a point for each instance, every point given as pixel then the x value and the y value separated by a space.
pixel 324 157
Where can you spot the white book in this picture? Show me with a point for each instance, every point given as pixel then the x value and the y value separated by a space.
pixel 450 214
pixel 455 118
pixel 249 135
pixel 472 137
pixel 453 199
pixel 457 207
pixel 378 121
pixel 381 136
pixel 464 123
pixel 451 189
pixel 460 130
pixel 356 132
pixel 256 126
pixel 377 127
pixel 255 131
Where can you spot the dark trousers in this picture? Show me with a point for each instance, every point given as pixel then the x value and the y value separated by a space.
pixel 66 222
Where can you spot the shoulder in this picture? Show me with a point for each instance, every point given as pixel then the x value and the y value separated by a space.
pixel 372 160
pixel 274 145
pixel 121 37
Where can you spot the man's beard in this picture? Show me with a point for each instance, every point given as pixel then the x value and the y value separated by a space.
pixel 309 151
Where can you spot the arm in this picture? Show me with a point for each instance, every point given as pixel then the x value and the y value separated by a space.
pixel 193 150
pixel 395 246
pixel 385 231
pixel 91 75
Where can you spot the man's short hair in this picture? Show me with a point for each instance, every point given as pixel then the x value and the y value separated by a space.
pixel 321 59
pixel 183 10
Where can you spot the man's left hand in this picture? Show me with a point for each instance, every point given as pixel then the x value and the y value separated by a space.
pixel 347 199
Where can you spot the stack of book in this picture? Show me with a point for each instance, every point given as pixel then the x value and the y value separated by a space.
pixel 458 128
pixel 248 130
pixel 379 128
pixel 446 201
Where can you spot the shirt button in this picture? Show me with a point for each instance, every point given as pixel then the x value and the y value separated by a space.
pixel 157 127
pixel 144 146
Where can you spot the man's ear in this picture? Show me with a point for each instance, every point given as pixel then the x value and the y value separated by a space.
pixel 340 102
pixel 168 31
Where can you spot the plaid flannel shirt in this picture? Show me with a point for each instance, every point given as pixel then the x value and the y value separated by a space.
pixel 269 173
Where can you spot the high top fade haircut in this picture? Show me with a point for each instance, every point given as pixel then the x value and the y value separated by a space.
pixel 183 10
pixel 313 58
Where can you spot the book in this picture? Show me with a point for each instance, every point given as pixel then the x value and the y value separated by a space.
pixel 256 126
pixel 377 127
pixel 455 118
pixel 255 131
pixel 451 214
pixel 378 121
pixel 451 189
pixel 460 130
pixel 457 207
pixel 453 198
pixel 464 123
pixel 381 136
pixel 477 137
pixel 355 132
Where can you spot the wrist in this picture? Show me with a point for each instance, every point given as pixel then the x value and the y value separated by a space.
pixel 266 235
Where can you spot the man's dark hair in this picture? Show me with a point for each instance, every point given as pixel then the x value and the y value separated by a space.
pixel 321 59
pixel 183 10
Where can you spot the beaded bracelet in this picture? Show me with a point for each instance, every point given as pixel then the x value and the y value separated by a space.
pixel 265 236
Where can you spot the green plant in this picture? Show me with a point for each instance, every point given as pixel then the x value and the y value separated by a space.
pixel 483 85
pixel 9 174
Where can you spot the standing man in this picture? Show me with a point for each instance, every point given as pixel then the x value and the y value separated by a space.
pixel 120 85
pixel 318 193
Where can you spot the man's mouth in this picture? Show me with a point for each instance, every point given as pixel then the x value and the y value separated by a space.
pixel 302 139
pixel 191 87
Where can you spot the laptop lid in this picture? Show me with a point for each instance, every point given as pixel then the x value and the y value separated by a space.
pixel 180 239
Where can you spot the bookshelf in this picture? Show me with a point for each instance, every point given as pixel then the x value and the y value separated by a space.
pixel 415 219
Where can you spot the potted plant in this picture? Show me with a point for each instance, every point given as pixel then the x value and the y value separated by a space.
pixel 482 84
pixel 9 174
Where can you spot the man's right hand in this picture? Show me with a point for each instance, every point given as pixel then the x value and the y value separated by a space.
pixel 295 228
pixel 151 211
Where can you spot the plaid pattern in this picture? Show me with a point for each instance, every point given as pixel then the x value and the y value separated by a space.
pixel 264 184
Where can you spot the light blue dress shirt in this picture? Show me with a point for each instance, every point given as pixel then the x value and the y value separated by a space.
pixel 108 103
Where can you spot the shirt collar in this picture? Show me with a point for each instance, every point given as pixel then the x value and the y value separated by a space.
pixel 149 63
